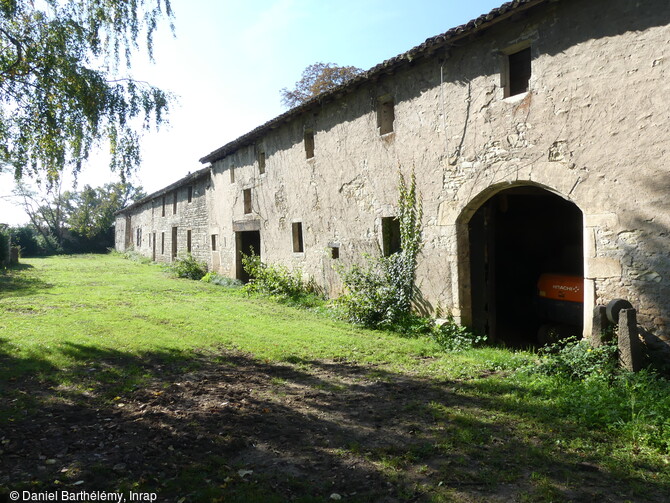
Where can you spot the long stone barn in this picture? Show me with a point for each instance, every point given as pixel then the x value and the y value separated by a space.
pixel 539 136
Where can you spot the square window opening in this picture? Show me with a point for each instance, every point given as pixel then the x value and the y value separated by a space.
pixel 518 72
pixel 298 246
pixel 390 236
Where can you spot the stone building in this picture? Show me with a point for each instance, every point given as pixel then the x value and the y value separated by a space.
pixel 170 222
pixel 539 137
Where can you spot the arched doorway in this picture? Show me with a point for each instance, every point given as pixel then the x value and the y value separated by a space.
pixel 516 237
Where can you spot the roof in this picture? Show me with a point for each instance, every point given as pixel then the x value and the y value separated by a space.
pixel 387 67
pixel 191 177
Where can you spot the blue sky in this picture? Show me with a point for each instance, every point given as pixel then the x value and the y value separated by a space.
pixel 230 59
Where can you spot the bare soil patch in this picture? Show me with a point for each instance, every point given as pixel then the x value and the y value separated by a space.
pixel 231 428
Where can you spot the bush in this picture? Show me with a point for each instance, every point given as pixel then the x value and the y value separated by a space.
pixel 380 293
pixel 217 279
pixel 4 247
pixel 280 283
pixel 577 359
pixel 187 267
pixel 453 337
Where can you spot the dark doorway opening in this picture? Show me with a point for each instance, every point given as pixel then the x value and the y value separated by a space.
pixel 246 242
pixel 516 236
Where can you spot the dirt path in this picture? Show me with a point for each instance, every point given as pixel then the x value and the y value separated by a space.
pixel 236 429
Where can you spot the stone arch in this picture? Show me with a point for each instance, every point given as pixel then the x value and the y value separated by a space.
pixel 508 235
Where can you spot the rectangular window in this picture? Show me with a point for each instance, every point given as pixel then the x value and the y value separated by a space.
pixel 518 72
pixel 232 174
pixel 390 236
pixel 188 241
pixel 297 237
pixel 163 213
pixel 138 236
pixel 261 162
pixel 174 243
pixel 174 203
pixel 190 193
pixel 247 201
pixel 334 252
pixel 309 144
pixel 213 242
pixel 385 115
pixel 162 243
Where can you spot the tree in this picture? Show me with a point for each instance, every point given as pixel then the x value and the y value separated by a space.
pixel 316 79
pixel 75 221
pixel 90 213
pixel 64 87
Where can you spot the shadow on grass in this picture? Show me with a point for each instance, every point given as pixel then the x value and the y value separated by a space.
pixel 224 426
pixel 15 283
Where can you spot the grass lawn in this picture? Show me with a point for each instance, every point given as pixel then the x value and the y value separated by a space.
pixel 116 377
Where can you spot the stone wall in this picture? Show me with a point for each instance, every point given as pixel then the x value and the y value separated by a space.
pixel 149 227
pixel 592 128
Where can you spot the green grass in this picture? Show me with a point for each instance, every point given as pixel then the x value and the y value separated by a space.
pixel 87 327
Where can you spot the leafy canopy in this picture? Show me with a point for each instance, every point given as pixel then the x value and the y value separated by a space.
pixel 64 87
pixel 316 79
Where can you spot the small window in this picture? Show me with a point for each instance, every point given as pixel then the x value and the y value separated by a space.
pixel 163 214
pixel 261 162
pixel 385 115
pixel 335 252
pixel 190 193
pixel 247 201
pixel 174 202
pixel 162 243
pixel 232 174
pixel 138 236
pixel 213 242
pixel 174 243
pixel 390 236
pixel 297 237
pixel 309 144
pixel 518 72
pixel 188 241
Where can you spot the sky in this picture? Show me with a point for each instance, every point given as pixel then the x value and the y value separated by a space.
pixel 228 61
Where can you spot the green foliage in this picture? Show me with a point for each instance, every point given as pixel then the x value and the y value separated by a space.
pixel 279 282
pixel 133 256
pixel 316 79
pixel 4 246
pixel 577 360
pixel 187 267
pixel 26 238
pixel 217 279
pixel 380 293
pixel 65 87
pixel 454 337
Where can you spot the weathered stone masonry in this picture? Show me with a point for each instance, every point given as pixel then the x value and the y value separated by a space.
pixel 570 173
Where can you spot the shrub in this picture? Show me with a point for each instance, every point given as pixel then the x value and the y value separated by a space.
pixel 380 293
pixel 279 282
pixel 577 359
pixel 454 337
pixel 187 267
pixel 217 279
pixel 271 279
pixel 4 247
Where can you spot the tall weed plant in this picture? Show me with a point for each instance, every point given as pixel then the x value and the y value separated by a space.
pixel 380 292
